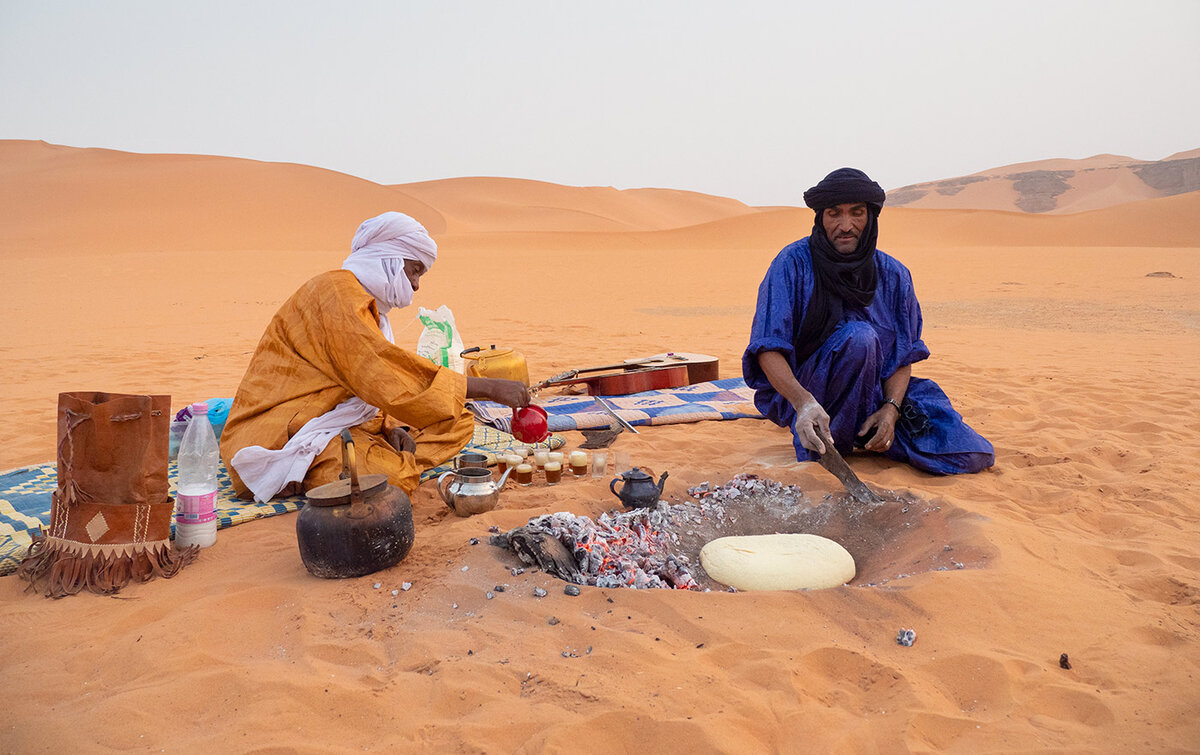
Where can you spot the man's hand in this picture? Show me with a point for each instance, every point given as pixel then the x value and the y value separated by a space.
pixel 509 393
pixel 400 440
pixel 884 422
pixel 812 424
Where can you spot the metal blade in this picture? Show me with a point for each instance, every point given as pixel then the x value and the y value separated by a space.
pixel 832 461
pixel 613 413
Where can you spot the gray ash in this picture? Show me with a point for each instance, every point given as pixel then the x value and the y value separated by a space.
pixel 659 547
pixel 628 549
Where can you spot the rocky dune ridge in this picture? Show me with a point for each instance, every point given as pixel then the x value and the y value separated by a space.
pixel 1057 186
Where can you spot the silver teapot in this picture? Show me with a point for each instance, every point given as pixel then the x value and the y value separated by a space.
pixel 471 490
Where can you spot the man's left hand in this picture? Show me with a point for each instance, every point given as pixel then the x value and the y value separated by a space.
pixel 884 422
pixel 400 440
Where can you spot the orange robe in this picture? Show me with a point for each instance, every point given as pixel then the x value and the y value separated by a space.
pixel 324 346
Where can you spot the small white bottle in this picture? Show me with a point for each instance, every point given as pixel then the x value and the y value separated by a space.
pixel 196 494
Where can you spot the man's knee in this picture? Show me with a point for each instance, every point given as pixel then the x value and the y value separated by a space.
pixel 970 463
pixel 857 342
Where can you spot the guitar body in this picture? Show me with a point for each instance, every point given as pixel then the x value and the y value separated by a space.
pixel 667 370
pixel 701 368
pixel 636 381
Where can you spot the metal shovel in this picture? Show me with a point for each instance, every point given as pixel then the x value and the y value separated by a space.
pixel 837 466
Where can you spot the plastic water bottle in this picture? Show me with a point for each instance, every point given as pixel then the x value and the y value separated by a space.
pixel 196 495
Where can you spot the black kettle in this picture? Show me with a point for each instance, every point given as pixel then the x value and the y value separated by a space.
pixel 354 526
pixel 639 490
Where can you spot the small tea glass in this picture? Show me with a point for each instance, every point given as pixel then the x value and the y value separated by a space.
pixel 599 463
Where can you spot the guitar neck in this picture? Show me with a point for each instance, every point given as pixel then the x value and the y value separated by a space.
pixel 656 362
pixel 666 359
pixel 619 366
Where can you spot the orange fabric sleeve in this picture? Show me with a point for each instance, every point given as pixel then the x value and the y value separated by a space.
pixel 355 353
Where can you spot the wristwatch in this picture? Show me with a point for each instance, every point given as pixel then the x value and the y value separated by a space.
pixel 893 402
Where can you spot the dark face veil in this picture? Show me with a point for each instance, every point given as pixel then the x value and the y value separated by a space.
pixel 840 280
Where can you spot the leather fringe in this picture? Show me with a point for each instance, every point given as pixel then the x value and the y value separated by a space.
pixel 63 567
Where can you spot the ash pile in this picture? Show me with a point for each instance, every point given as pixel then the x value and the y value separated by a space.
pixel 659 547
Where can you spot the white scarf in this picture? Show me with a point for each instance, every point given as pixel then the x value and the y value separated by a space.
pixel 377 259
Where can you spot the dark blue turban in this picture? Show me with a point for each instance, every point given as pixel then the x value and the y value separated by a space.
pixel 845 185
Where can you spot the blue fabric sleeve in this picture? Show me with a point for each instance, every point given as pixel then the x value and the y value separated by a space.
pixel 909 346
pixel 898 318
pixel 779 312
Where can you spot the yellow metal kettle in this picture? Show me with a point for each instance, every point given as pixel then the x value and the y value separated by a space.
pixel 508 364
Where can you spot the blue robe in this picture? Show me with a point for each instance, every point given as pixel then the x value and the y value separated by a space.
pixel 846 374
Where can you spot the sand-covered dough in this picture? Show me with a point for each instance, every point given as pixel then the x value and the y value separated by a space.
pixel 777 562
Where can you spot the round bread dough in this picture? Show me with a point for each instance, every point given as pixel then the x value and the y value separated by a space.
pixel 777 562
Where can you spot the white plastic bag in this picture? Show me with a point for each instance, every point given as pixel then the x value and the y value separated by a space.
pixel 440 342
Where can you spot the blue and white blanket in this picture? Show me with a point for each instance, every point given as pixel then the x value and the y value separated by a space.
pixel 720 399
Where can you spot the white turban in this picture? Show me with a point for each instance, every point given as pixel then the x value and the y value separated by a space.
pixel 377 256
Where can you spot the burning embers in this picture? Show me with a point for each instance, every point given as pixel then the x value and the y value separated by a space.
pixel 629 549
pixel 643 548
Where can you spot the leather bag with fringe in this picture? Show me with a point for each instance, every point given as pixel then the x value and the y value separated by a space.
pixel 110 518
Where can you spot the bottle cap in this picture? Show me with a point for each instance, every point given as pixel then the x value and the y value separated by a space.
pixel 200 408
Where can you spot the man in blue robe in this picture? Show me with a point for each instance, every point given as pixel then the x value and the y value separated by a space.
pixel 835 334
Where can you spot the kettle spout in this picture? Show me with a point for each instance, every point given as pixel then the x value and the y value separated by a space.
pixel 661 481
pixel 503 477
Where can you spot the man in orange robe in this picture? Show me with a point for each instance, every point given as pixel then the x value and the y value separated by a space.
pixel 326 362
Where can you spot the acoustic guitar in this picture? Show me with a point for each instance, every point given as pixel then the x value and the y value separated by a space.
pixel 668 370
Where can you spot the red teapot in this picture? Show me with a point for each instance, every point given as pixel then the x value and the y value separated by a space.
pixel 530 424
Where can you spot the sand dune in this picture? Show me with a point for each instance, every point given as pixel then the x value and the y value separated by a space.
pixel 68 199
pixel 1058 186
pixel 506 204
pixel 87 200
pixel 1045 330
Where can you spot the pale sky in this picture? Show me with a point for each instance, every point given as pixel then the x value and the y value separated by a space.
pixel 751 100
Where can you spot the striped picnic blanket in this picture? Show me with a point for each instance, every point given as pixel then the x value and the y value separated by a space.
pixel 25 496
pixel 730 398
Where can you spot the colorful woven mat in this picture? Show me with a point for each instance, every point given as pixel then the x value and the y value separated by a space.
pixel 721 399
pixel 25 496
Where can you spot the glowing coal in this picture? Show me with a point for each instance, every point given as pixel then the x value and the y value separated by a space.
pixel 630 549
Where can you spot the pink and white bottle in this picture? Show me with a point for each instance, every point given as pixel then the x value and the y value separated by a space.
pixel 196 494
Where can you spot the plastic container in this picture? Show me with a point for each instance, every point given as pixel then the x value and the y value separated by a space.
pixel 218 412
pixel 196 493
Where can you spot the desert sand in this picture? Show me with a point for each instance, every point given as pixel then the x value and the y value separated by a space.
pixel 157 274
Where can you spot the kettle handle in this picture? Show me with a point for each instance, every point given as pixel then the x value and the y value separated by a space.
pixel 358 508
pixel 442 490
pixel 613 487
